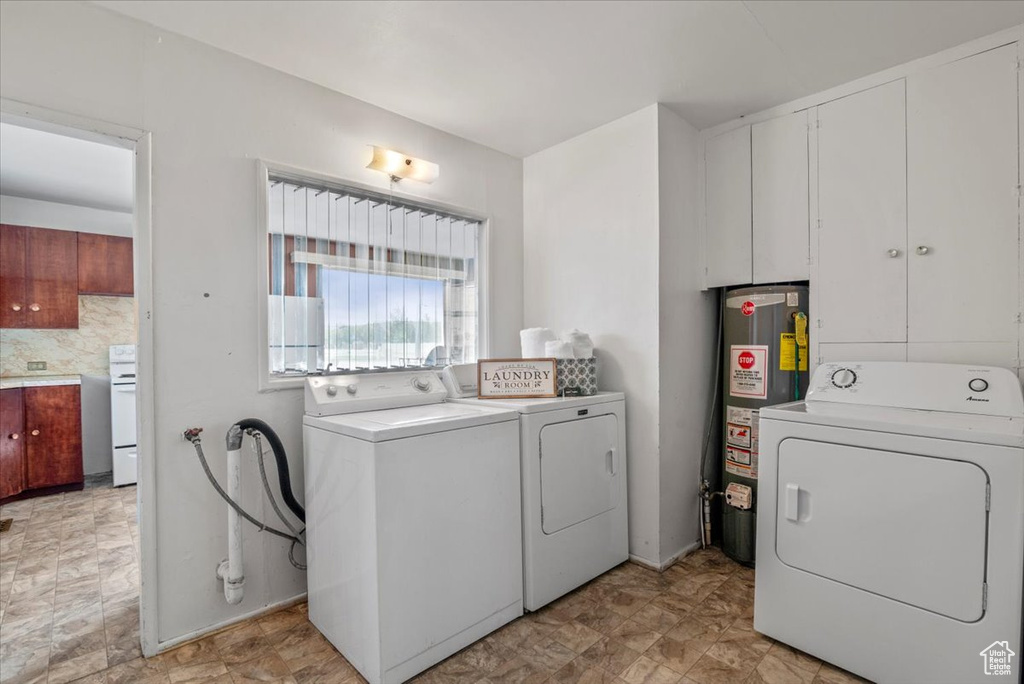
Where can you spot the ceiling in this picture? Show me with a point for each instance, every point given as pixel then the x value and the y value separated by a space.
pixel 46 166
pixel 520 76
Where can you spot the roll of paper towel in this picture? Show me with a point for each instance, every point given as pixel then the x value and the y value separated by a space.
pixel 533 339
pixel 558 349
pixel 582 345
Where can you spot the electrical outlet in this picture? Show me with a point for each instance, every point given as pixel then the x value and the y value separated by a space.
pixel 36 365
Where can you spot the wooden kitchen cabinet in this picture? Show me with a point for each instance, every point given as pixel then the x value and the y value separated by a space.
pixel 38 277
pixel 12 276
pixel 105 265
pixel 12 443
pixel 53 443
pixel 47 451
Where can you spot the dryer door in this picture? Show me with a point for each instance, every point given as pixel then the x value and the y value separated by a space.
pixel 580 469
pixel 909 527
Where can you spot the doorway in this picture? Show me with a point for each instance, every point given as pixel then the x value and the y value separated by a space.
pixel 74 209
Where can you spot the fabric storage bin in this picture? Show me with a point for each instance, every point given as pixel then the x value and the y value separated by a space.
pixel 576 377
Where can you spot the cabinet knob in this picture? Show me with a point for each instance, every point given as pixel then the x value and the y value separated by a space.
pixel 893 253
pixel 13 435
pixel 922 250
pixel 34 307
pixel 15 307
pixel 35 433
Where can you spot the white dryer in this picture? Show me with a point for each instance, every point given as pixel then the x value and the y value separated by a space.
pixel 414 545
pixel 890 535
pixel 574 490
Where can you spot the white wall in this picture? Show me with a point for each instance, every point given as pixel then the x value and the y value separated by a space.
pixel 612 247
pixel 686 329
pixel 22 211
pixel 590 226
pixel 212 115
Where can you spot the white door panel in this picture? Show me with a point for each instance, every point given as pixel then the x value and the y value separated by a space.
pixel 908 527
pixel 883 351
pixel 1000 354
pixel 727 208
pixel 962 200
pixel 780 203
pixel 580 468
pixel 862 205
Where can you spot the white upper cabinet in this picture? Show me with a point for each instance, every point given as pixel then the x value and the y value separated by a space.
pixel 727 249
pixel 962 156
pixel 780 199
pixel 862 208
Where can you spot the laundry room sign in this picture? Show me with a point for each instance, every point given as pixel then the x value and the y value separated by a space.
pixel 748 370
pixel 516 378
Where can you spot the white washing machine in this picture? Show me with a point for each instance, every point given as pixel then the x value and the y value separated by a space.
pixel 574 489
pixel 890 536
pixel 414 532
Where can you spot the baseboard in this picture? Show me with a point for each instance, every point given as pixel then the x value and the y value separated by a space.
pixel 206 631
pixel 667 563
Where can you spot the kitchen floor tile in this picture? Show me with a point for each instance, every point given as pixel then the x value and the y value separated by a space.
pixel 69 613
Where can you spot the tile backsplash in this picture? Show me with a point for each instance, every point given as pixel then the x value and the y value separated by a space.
pixel 102 321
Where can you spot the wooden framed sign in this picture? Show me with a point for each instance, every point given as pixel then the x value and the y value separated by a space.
pixel 516 378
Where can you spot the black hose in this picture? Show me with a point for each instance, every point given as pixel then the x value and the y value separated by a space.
pixel 224 495
pixel 277 447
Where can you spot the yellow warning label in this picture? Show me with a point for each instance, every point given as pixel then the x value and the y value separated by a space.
pixel 787 353
pixel 801 328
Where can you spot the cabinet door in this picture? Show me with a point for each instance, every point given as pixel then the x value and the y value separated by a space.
pixel 12 277
pixel 53 426
pixel 12 443
pixel 105 265
pixel 727 208
pixel 781 237
pixel 962 200
pixel 862 207
pixel 51 258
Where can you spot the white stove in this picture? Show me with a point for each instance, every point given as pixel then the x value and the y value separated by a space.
pixel 122 414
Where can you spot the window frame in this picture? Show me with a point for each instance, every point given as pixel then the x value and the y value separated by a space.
pixel 269 382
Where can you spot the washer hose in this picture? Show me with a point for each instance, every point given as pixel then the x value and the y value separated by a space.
pixel 234 441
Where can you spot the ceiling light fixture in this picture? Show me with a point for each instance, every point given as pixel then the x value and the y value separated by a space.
pixel 399 166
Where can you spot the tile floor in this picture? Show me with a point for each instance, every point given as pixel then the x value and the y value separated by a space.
pixel 68 595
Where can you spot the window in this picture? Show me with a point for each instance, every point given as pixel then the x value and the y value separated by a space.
pixel 360 282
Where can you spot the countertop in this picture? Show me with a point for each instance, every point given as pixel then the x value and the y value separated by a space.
pixel 39 381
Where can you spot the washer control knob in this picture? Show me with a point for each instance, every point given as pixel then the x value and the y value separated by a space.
pixel 352 389
pixel 332 390
pixel 978 385
pixel 843 378
pixel 422 384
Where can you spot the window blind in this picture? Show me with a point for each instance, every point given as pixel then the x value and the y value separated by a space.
pixel 360 282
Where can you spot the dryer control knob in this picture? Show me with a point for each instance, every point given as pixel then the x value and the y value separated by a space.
pixel 422 384
pixel 843 378
pixel 978 385
pixel 332 390
pixel 352 389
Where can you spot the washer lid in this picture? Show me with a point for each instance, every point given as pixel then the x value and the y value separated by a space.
pixel 961 427
pixel 412 421
pixel 544 404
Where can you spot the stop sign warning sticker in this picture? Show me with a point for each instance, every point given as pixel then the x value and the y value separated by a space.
pixel 748 367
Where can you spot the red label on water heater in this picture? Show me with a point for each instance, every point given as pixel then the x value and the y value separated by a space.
pixel 748 371
pixel 747 308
